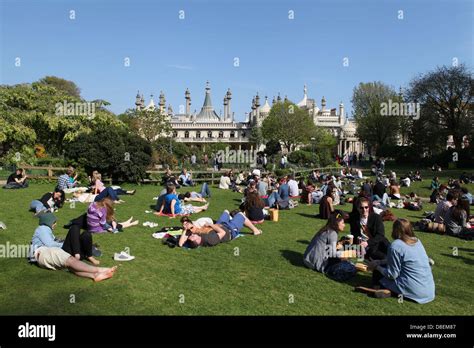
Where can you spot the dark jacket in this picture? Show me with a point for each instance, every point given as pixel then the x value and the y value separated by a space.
pixel 379 189
pixel 377 243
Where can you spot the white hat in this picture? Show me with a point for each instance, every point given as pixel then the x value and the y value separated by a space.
pixel 256 172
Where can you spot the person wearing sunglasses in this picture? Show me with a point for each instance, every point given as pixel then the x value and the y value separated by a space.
pixel 368 231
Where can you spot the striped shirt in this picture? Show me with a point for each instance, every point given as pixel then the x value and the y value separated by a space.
pixel 96 218
pixel 63 182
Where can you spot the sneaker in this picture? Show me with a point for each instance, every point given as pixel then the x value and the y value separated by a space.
pixel 147 223
pixel 2 225
pixel 431 262
pixel 96 252
pixel 123 256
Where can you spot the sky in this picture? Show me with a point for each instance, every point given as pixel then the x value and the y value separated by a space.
pixel 249 46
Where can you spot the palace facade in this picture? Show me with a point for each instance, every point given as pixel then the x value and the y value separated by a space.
pixel 206 126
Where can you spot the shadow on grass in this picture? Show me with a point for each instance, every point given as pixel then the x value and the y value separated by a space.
pixel 302 241
pixel 465 249
pixel 459 257
pixel 312 216
pixel 295 258
pixel 153 207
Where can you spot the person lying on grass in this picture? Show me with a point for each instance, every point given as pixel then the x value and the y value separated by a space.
pixel 99 189
pixel 44 237
pixel 406 271
pixel 224 230
pixel 172 205
pixel 322 254
pixel 195 196
pixel 50 202
pixel 54 258
pixel 101 218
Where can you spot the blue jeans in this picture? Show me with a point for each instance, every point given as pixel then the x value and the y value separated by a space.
pixel 384 199
pixel 234 224
pixel 37 206
pixel 205 190
pixel 107 192
pixel 272 199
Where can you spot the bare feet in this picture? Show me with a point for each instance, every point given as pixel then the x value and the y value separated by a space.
pixel 94 261
pixel 257 232
pixel 103 276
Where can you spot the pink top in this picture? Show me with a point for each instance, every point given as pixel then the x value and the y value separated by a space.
pixel 99 185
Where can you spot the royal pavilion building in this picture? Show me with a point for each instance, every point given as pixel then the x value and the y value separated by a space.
pixel 206 126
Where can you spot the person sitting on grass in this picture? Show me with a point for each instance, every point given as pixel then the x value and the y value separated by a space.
pixel 43 235
pixel 467 195
pixel 435 183
pixel 394 190
pixel 224 183
pixel 406 271
pixel 172 205
pixel 79 244
pixel 68 180
pixel 50 201
pixel 224 230
pixel 368 230
pixel 185 178
pixel 443 207
pixel 253 207
pixel 101 191
pixel 326 207
pixel 17 180
pixel 322 253
pixel 170 178
pixel 457 220
pixel 101 218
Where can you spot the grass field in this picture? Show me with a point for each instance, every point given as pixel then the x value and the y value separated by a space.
pixel 253 275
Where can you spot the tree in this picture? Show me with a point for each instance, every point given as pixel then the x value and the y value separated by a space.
pixel 373 127
pixel 446 97
pixel 256 136
pixel 60 84
pixel 119 153
pixel 150 124
pixel 289 124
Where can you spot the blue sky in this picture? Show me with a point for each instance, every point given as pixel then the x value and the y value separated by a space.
pixel 276 54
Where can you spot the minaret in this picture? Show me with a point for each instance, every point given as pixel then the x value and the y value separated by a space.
pixel 170 110
pixel 162 102
pixel 229 110
pixel 138 101
pixel 278 98
pixel 225 109
pixel 252 114
pixel 187 97
pixel 323 104
pixel 341 113
pixel 286 99
pixel 273 101
pixel 257 106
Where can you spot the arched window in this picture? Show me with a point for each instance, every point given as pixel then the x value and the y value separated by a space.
pixel 175 134
pixel 221 134
pixel 198 134
pixel 209 134
pixel 243 134
pixel 232 134
pixel 186 134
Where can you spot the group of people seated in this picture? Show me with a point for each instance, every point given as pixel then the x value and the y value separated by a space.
pixel 398 268
pixel 51 253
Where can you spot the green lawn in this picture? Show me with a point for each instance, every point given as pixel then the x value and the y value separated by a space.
pixel 267 273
